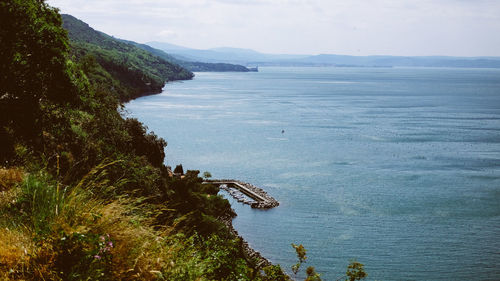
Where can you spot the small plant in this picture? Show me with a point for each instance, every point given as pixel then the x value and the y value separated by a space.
pixel 301 255
pixel 84 256
pixel 355 271
pixel 103 251
pixel 41 201
pixel 312 275
pixel 207 175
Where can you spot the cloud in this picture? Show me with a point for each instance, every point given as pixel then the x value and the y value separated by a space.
pixel 403 27
pixel 167 34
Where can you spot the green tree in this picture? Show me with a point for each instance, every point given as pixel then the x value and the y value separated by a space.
pixel 33 67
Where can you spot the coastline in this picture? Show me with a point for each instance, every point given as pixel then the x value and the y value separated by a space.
pixel 152 92
pixel 251 255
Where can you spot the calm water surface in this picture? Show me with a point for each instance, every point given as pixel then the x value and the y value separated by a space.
pixel 398 168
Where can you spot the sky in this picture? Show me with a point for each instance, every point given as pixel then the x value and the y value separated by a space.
pixel 349 27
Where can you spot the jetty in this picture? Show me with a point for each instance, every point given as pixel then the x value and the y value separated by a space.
pixel 259 198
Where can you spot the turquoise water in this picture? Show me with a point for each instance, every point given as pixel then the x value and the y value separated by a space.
pixel 396 167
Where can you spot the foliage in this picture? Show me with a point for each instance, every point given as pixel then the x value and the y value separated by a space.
pixel 274 273
pixel 146 144
pixel 33 70
pixel 207 175
pixel 312 275
pixel 93 239
pixel 301 255
pixel 355 271
pixel 9 177
pixel 127 70
pixel 179 170
pixel 41 200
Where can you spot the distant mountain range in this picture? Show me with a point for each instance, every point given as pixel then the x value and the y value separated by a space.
pixel 81 33
pixel 227 55
pixel 250 57
pixel 192 65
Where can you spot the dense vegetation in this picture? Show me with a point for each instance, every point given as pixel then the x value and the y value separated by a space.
pixel 128 70
pixel 84 192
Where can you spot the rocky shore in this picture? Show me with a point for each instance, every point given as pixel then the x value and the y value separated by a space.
pixel 250 254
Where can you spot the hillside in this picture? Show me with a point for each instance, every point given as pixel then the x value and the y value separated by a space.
pixel 112 53
pixel 84 192
pixel 128 70
pixel 194 66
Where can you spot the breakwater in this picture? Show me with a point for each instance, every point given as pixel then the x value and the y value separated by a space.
pixel 259 199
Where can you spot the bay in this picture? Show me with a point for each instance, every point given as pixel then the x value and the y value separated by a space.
pixel 396 167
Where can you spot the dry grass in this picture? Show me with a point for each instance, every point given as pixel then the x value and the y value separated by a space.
pixel 8 197
pixel 16 249
pixel 9 178
pixel 140 250
pixel 9 185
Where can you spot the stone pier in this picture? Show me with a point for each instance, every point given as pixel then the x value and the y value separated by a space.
pixel 262 200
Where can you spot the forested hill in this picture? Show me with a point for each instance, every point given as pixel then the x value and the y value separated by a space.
pixel 193 65
pixel 126 69
pixel 84 193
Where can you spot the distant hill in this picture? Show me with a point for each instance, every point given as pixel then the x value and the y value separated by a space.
pixel 251 57
pixel 128 70
pixel 225 54
pixel 194 66
pixel 400 61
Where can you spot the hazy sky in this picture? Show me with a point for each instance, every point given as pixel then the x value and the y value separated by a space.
pixel 354 27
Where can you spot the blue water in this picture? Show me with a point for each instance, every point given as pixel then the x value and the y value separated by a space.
pixel 396 167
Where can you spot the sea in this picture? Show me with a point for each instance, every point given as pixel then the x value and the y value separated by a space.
pixel 396 168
